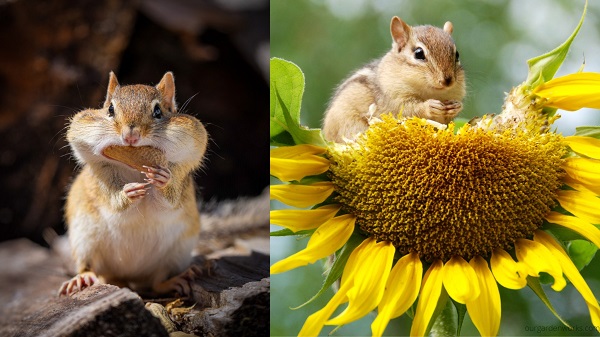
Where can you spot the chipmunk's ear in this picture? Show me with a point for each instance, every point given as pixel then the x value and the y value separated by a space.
pixel 448 28
pixel 400 33
pixel 166 86
pixel 113 83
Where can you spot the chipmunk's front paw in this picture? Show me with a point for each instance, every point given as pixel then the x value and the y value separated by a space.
pixel 442 112
pixel 135 191
pixel 182 283
pixel 78 283
pixel 453 107
pixel 158 176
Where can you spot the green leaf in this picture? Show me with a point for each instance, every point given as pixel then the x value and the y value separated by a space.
pixel 542 68
pixel 287 88
pixel 534 284
pixel 588 131
pixel 282 139
pixel 581 252
pixel 336 270
pixel 300 134
pixel 287 79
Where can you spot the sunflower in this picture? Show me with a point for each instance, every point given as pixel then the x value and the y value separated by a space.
pixel 447 211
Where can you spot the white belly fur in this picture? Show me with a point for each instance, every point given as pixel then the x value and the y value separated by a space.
pixel 144 244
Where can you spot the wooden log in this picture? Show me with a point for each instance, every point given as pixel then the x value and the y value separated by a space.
pixel 29 280
pixel 229 280
pixel 230 297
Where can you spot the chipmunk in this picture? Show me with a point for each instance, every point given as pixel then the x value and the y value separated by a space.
pixel 421 76
pixel 126 226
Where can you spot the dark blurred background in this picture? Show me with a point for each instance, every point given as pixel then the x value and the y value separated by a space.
pixel 55 57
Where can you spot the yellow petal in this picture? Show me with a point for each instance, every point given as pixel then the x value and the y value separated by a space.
pixel 297 220
pixel 572 274
pixel 587 146
pixel 326 240
pixel 290 152
pixel 571 92
pixel 583 205
pixel 302 195
pixel 298 168
pixel 314 323
pixel 430 293
pixel 575 224
pixel 510 274
pixel 369 281
pixel 460 280
pixel 538 259
pixel 578 185
pixel 586 171
pixel 485 310
pixel 362 255
pixel 401 291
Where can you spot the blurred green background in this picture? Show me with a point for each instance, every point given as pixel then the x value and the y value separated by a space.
pixel 328 39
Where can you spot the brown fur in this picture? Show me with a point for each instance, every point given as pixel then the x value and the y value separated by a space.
pixel 139 242
pixel 398 82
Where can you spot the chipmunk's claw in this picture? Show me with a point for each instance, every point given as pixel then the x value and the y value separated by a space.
pixel 158 176
pixel 135 191
pixel 78 283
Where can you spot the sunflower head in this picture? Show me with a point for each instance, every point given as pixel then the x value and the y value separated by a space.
pixel 440 193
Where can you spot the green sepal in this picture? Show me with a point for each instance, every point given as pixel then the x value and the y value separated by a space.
pixel 581 252
pixel 549 111
pixel 287 88
pixel 545 278
pixel 588 131
pixel 461 310
pixel 561 233
pixel 411 311
pixel 314 179
pixel 542 68
pixel 534 284
pixel 337 268
pixel 580 249
pixel 445 314
pixel 308 179
pixel 289 232
pixel 334 330
pixel 459 123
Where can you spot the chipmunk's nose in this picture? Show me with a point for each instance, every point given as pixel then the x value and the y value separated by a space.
pixel 448 80
pixel 131 135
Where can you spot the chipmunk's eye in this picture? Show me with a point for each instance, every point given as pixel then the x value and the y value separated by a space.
pixel 111 110
pixel 157 113
pixel 419 53
pixel 457 56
